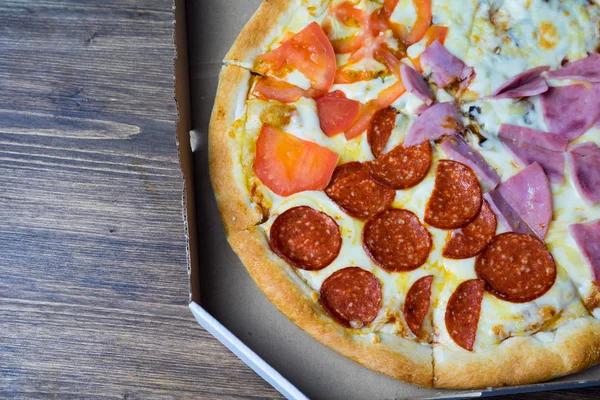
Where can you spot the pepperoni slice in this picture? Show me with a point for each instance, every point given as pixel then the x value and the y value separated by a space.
pixel 516 267
pixel 352 296
pixel 402 168
pixel 352 188
pixel 306 238
pixel 456 197
pixel 396 240
pixel 416 305
pixel 470 240
pixel 462 312
pixel 380 129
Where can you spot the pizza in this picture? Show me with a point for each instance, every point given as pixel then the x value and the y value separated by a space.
pixel 416 183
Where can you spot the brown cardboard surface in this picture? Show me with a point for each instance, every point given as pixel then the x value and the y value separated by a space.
pixel 224 288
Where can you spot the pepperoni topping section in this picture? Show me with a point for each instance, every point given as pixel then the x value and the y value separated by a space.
pixel 456 197
pixel 462 312
pixel 306 238
pixel 352 188
pixel 416 305
pixel 396 240
pixel 380 129
pixel 402 168
pixel 470 240
pixel 352 296
pixel 516 267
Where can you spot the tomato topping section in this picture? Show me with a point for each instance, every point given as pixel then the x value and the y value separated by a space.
pixel 385 99
pixel 372 38
pixel 336 112
pixel 268 88
pixel 309 52
pixel 287 164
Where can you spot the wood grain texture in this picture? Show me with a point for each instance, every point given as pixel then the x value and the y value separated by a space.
pixel 93 278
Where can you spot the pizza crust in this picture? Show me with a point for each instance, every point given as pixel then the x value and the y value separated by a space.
pixel 266 25
pixel 233 198
pixel 517 360
pixel 393 356
pixel 572 347
pixel 263 27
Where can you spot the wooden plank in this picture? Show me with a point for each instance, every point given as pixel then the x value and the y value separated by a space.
pixel 93 277
pixel 93 280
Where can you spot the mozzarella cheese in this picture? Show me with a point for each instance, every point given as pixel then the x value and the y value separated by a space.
pixel 511 36
pixel 499 39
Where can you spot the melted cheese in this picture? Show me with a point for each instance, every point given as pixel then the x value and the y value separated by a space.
pixel 509 37
pixel 499 39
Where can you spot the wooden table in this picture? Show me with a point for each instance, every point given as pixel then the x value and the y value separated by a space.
pixel 93 279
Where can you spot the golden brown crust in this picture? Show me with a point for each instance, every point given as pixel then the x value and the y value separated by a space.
pixel 268 25
pixel 233 199
pixel 396 357
pixel 256 35
pixel 520 360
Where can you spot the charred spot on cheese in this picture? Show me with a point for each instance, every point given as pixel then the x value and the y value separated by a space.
pixel 257 197
pixel 548 36
pixel 277 114
pixel 498 331
pixel 498 21
pixel 474 112
pixel 592 301
pixel 547 312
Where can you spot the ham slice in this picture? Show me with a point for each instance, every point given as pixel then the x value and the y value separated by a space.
pixel 584 160
pixel 529 146
pixel 587 237
pixel 528 83
pixel 571 110
pixel 506 214
pixel 523 203
pixel 414 83
pixel 441 119
pixel 446 68
pixel 424 107
pixel 458 149
pixel 586 69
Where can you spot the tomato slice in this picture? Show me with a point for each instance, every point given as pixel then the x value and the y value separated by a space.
pixel 336 112
pixel 390 61
pixel 308 51
pixel 349 15
pixel 351 75
pixel 422 23
pixel 274 89
pixel 347 45
pixel 385 99
pixel 380 19
pixel 287 164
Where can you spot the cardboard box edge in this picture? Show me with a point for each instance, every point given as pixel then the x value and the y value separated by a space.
pixel 207 321
pixel 245 354
pixel 182 99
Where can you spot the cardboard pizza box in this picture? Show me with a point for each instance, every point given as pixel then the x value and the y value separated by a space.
pixel 223 298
